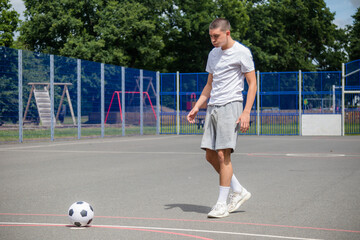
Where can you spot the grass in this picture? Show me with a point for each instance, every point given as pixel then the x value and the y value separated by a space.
pixel 265 129
pixel 37 133
pixel 12 135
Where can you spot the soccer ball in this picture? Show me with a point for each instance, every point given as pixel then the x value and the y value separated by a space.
pixel 81 214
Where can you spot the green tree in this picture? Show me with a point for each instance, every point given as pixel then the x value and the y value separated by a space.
pixel 354 37
pixel 334 54
pixel 292 34
pixel 115 32
pixel 9 20
pixel 172 35
pixel 187 41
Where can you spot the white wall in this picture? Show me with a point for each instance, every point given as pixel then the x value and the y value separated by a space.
pixel 321 124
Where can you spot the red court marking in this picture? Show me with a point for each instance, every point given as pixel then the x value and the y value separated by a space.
pixel 33 214
pixel 157 231
pixel 238 223
pixel 191 220
pixel 34 225
pixel 303 155
pixel 263 155
pixel 112 227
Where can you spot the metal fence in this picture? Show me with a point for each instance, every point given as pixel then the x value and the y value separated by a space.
pixel 278 108
pixel 46 96
pixel 351 97
pixel 50 97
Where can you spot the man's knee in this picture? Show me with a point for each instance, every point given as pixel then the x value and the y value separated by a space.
pixel 211 156
pixel 223 156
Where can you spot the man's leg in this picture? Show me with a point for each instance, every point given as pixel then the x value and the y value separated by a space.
pixel 239 194
pixel 221 162
pixel 226 170
pixel 212 158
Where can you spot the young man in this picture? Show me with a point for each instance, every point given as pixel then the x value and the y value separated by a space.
pixel 229 63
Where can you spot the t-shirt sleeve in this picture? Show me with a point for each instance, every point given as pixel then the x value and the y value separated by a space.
pixel 247 62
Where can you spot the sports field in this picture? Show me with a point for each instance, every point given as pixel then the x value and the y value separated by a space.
pixel 161 187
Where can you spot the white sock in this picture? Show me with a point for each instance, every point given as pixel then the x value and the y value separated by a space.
pixel 223 194
pixel 235 185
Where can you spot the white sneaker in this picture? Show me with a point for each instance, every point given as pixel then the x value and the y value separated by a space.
pixel 218 211
pixel 237 199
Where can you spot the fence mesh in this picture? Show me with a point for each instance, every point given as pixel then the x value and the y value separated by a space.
pixel 9 105
pixel 278 103
pixel 65 97
pixel 168 103
pixel 318 92
pixel 36 75
pixel 113 111
pixel 352 100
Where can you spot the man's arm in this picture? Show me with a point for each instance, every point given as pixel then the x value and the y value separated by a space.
pixel 205 95
pixel 244 118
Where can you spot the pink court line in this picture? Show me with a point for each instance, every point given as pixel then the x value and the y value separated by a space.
pixel 157 231
pixel 112 227
pixel 191 220
pixel 238 223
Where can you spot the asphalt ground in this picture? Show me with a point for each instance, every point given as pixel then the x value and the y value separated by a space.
pixel 161 187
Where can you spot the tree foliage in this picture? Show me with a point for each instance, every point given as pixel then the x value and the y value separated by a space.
pixel 354 37
pixel 172 35
pixel 187 41
pixel 292 35
pixel 9 20
pixel 116 32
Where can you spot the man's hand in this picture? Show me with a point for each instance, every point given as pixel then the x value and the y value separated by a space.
pixel 205 94
pixel 192 114
pixel 244 118
pixel 244 121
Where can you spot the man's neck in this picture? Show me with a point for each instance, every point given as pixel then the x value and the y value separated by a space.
pixel 229 44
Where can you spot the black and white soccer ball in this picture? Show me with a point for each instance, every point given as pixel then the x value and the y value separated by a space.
pixel 81 214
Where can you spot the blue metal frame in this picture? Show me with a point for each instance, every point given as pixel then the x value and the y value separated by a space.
pixel 284 92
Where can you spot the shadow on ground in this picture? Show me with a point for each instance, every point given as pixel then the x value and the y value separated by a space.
pixel 189 207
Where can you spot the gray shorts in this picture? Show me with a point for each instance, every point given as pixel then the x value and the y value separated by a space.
pixel 220 128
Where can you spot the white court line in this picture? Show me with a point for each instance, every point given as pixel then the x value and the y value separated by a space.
pixel 315 155
pixel 102 152
pixel 215 232
pixel 79 142
pixel 171 229
pixel 126 139
pixel 306 155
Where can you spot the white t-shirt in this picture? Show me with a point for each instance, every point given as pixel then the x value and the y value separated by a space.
pixel 228 68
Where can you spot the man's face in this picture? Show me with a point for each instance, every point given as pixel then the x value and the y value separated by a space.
pixel 218 37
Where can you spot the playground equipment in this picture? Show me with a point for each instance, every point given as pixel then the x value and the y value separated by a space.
pixel 42 99
pixel 117 93
pixel 190 104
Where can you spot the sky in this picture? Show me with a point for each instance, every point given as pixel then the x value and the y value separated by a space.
pixel 343 9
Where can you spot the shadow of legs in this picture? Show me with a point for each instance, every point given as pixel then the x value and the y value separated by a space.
pixel 188 207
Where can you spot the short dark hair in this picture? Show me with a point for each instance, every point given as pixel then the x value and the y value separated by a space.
pixel 221 23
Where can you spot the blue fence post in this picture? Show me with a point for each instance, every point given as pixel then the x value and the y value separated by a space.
pixel 177 103
pixel 20 100
pixel 79 97
pixel 123 100
pixel 102 101
pixel 158 103
pixel 342 99
pixel 52 121
pixel 141 102
pixel 300 104
pixel 258 103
